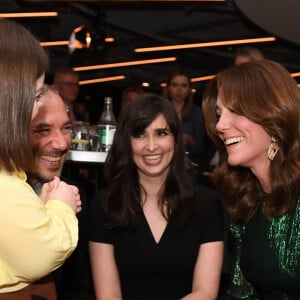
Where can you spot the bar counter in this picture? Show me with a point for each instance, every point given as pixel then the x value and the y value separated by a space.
pixel 88 157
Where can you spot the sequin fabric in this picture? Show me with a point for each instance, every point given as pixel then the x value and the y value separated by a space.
pixel 239 288
pixel 284 237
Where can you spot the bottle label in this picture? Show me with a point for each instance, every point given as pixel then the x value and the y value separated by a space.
pixel 106 136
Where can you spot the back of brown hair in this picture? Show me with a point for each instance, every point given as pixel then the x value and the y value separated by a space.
pixel 22 62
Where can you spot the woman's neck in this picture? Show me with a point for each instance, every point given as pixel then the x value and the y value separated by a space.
pixel 263 176
pixel 152 186
pixel 178 107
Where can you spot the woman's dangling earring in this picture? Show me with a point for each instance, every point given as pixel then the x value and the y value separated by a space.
pixel 273 149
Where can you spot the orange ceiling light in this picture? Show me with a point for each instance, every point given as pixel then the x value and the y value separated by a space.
pixel 206 44
pixel 54 43
pixel 103 79
pixel 159 0
pixel 126 64
pixel 297 74
pixel 202 78
pixel 66 43
pixel 209 77
pixel 195 79
pixel 109 39
pixel 29 14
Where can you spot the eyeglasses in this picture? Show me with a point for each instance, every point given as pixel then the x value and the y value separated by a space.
pixel 68 83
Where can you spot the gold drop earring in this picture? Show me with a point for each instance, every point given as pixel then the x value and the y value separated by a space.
pixel 273 149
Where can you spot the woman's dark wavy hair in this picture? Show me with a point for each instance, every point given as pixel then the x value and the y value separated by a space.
pixel 122 200
pixel 22 62
pixel 266 94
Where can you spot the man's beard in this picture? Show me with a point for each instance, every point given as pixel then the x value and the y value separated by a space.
pixel 36 181
pixel 34 178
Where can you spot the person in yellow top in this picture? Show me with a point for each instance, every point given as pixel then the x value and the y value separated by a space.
pixel 37 233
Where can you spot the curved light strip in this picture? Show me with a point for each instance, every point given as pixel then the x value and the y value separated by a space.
pixel 126 64
pixel 108 39
pixel 103 79
pixel 29 14
pixel 158 0
pixel 202 78
pixel 54 43
pixel 209 77
pixel 195 79
pixel 208 44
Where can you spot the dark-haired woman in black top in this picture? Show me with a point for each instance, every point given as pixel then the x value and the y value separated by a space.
pixel 153 235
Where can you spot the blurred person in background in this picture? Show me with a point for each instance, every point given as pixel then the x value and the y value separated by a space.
pixel 81 110
pixel 66 82
pixel 246 54
pixel 37 233
pixel 179 92
pixel 131 93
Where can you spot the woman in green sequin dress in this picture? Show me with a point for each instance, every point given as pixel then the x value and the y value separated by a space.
pixel 252 113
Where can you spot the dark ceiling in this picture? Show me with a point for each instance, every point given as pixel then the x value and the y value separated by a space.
pixel 150 23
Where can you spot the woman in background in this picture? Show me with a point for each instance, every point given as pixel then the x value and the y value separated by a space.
pixel 153 234
pixel 37 234
pixel 179 92
pixel 252 112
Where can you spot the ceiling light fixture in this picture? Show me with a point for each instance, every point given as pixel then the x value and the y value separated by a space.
pixel 195 79
pixel 66 43
pixel 109 39
pixel 202 78
pixel 207 44
pixel 209 77
pixel 80 38
pixel 54 43
pixel 295 74
pixel 126 64
pixel 103 79
pixel 29 14
pixel 154 0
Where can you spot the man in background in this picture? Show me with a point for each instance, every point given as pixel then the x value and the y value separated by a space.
pixel 131 93
pixel 50 136
pixel 66 82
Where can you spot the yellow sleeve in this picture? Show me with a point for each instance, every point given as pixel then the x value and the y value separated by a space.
pixel 35 238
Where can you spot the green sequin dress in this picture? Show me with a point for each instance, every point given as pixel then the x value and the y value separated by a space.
pixel 265 258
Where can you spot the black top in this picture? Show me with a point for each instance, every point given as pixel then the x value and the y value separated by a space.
pixel 164 270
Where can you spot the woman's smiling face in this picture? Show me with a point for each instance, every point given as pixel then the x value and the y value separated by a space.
pixel 153 149
pixel 246 142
